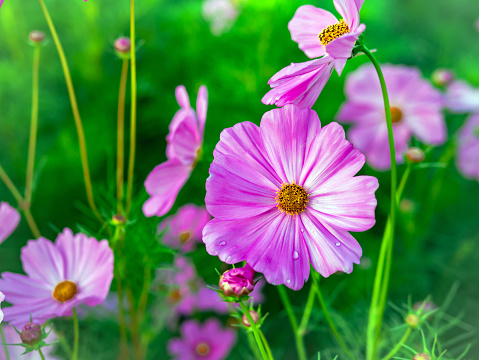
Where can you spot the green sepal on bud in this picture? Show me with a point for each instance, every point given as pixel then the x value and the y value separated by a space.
pixel 33 336
pixel 230 299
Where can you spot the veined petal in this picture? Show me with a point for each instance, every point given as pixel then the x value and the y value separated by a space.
pixel 201 108
pixel 21 289
pixel 184 138
pixel 9 219
pixel 342 47
pixel 307 23
pixel 349 12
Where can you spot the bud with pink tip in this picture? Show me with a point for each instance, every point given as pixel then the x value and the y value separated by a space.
pixel 31 333
pixel 442 77
pixel 415 155
pixel 413 320
pixel 36 37
pixel 237 282
pixel 254 315
pixel 421 356
pixel 123 46
pixel 424 306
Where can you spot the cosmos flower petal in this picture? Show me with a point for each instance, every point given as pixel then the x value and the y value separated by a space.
pixel 349 11
pixel 42 261
pixel 276 128
pixel 462 97
pixel 468 152
pixel 427 123
pixel 359 4
pixel 330 249
pixel 341 48
pixel 22 289
pixel 182 97
pixel 40 310
pixel 163 185
pixel 185 141
pixel 305 26
pixel 349 205
pixel 202 107
pixel 9 219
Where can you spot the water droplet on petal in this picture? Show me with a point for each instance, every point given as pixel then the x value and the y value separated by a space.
pixel 288 281
pixel 228 259
pixel 295 255
pixel 302 230
pixel 338 244
pixel 223 243
pixel 292 64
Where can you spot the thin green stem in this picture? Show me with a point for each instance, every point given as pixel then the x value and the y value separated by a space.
pixel 41 354
pixel 76 113
pixel 375 319
pixel 255 331
pixel 4 342
pixel 131 161
pixel 398 345
pixel 327 315
pixel 307 311
pixel 294 324
pixel 33 127
pixel 76 335
pixel 266 345
pixel 253 346
pixel 120 151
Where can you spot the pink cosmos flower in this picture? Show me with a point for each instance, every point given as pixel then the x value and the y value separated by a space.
pixel 185 140
pixel 15 352
pixel 221 14
pixel 183 230
pixel 318 32
pixel 74 270
pixel 468 154
pixel 284 194
pixel 462 97
pixel 208 341
pixel 9 219
pixel 415 109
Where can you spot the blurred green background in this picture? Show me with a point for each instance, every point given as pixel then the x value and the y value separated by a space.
pixel 437 243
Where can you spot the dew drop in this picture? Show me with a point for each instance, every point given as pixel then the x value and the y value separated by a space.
pixel 288 281
pixel 223 243
pixel 228 259
pixel 302 230
pixel 295 255
pixel 292 64
pixel 338 244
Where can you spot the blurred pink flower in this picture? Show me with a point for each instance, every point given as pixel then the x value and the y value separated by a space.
pixel 183 230
pixel 462 97
pixel 221 14
pixel 318 32
pixel 75 270
pixel 9 219
pixel 415 109
pixel 2 298
pixel 284 194
pixel 207 341
pixel 442 77
pixel 185 140
pixel 468 154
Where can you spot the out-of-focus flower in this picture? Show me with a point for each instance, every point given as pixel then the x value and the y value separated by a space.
pixel 9 219
pixel 468 155
pixel 442 77
pixel 254 315
pixel 237 282
pixel 318 32
pixel 421 356
pixel 424 307
pixel 413 320
pixel 415 110
pixel 284 194
pixel 183 230
pixel 415 155
pixel 221 14
pixel 31 333
pixel 75 270
pixel 462 97
pixel 36 36
pixel 407 206
pixel 185 140
pixel 208 341
pixel 123 46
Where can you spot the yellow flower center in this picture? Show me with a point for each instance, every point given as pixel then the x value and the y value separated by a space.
pixel 202 349
pixel 291 199
pixel 333 32
pixel 65 291
pixel 396 115
pixel 185 236
pixel 175 296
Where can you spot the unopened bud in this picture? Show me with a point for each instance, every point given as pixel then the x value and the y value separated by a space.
pixel 442 77
pixel 413 320
pixel 118 220
pixel 424 306
pixel 123 46
pixel 31 333
pixel 407 206
pixel 36 36
pixel 237 282
pixel 415 155
pixel 421 356
pixel 254 315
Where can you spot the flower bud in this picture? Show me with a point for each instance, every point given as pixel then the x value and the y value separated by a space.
pixel 237 282
pixel 442 77
pixel 421 356
pixel 415 155
pixel 424 306
pixel 123 46
pixel 31 333
pixel 118 219
pixel 413 320
pixel 36 36
pixel 254 315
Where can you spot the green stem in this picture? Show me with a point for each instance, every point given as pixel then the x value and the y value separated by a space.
pixel 131 160
pixel 41 354
pixel 120 138
pixel 5 348
pixel 327 315
pixel 266 345
pixel 33 127
pixel 375 319
pixel 255 330
pixel 307 311
pixel 294 324
pixel 76 335
pixel 253 346
pixel 398 345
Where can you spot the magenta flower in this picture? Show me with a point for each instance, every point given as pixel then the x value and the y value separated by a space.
pixel 9 219
pixel 237 282
pixel 318 32
pixel 415 109
pixel 462 97
pixel 185 140
pixel 208 341
pixel 183 230
pixel 16 352
pixel 468 154
pixel 74 270
pixel 284 194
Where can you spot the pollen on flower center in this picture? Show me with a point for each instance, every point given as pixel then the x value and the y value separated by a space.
pixel 185 236
pixel 202 349
pixel 333 32
pixel 396 115
pixel 291 199
pixel 65 291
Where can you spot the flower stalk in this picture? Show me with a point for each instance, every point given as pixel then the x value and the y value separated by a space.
pixel 120 158
pixel 256 334
pixel 76 335
pixel 4 342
